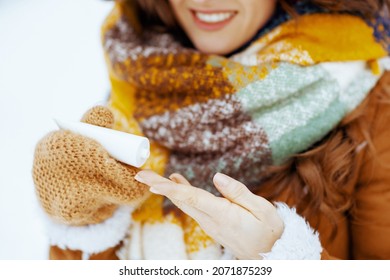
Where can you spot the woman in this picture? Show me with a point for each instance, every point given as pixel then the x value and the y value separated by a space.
pixel 282 96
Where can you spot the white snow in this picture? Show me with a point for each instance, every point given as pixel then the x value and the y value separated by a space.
pixel 51 66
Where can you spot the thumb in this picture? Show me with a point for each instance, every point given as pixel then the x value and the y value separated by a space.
pixel 239 194
pixel 100 116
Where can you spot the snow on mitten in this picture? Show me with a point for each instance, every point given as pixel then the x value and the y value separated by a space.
pixel 77 181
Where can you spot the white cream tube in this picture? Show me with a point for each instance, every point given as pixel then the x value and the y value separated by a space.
pixel 125 147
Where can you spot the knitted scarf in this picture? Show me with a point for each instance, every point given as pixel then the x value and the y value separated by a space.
pixel 240 114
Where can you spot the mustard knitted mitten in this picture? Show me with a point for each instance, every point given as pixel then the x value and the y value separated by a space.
pixel 77 181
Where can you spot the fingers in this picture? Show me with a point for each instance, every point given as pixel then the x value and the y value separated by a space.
pixel 181 193
pixel 100 116
pixel 221 218
pixel 201 217
pixel 239 194
pixel 197 202
pixel 178 178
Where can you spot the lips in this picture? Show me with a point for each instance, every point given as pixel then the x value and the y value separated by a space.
pixel 212 20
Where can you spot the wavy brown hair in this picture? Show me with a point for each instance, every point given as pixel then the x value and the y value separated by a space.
pixel 318 180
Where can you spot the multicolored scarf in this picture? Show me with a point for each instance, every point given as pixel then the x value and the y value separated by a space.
pixel 240 114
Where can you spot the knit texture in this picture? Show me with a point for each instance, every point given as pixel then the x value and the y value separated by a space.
pixel 91 239
pixel 76 180
pixel 298 241
pixel 240 114
pixel 273 98
pixel 205 114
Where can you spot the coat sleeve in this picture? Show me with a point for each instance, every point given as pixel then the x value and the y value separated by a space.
pixel 370 216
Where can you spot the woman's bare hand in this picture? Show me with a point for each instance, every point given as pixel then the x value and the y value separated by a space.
pixel 241 221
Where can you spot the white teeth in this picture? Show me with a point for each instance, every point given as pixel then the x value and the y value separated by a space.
pixel 213 18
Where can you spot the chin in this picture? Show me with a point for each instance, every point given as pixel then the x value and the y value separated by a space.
pixel 217 49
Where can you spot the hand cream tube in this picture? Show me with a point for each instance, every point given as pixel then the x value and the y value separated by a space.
pixel 125 147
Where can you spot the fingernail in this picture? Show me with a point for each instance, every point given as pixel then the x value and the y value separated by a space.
pixel 221 179
pixel 139 178
pixel 174 178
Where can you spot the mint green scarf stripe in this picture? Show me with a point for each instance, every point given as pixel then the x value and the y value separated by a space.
pixel 282 82
pixel 308 112
pixel 297 106
pixel 302 137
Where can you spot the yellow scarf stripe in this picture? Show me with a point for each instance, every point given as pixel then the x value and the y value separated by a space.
pixel 319 38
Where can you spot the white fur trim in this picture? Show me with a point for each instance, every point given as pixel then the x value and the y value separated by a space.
pixel 213 251
pixel 298 241
pixel 132 244
pixel 91 239
pixel 227 255
pixel 163 241
pixel 135 244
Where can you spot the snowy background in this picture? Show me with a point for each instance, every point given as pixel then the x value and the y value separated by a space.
pixel 51 66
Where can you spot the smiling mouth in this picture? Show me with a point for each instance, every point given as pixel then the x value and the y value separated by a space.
pixel 212 20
